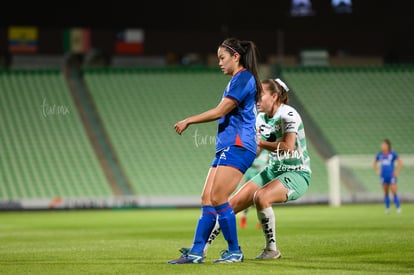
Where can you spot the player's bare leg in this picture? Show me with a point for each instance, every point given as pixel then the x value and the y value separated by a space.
pixel 273 192
pixel 207 219
pixel 241 200
pixel 226 180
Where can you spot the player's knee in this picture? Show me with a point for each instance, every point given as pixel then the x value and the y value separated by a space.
pixel 217 200
pixel 260 199
pixel 214 199
pixel 236 205
pixel 205 199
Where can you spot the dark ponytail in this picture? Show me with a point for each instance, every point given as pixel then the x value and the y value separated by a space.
pixel 248 57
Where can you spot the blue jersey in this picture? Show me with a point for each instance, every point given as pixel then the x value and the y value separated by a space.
pixel 238 127
pixel 387 163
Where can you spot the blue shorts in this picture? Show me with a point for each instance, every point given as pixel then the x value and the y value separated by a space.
pixel 388 180
pixel 235 156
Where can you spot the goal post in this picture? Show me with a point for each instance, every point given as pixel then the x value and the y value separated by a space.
pixel 360 166
pixel 334 179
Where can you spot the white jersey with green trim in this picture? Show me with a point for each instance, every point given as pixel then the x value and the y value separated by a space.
pixel 285 120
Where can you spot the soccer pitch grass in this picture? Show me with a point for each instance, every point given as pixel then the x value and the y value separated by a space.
pixel 313 239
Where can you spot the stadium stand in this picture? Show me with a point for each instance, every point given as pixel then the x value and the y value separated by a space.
pixel 139 108
pixel 357 107
pixel 44 149
pixel 47 153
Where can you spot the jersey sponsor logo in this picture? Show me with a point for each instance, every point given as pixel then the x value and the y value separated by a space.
pixel 290 113
pixel 386 160
pixel 289 125
pixel 267 130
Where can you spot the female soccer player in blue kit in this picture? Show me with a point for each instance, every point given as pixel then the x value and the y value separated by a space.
pixel 287 174
pixel 388 173
pixel 235 149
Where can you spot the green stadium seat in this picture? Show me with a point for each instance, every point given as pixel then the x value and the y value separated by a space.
pixel 45 152
pixel 139 108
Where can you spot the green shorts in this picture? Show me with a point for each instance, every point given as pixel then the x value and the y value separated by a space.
pixel 251 173
pixel 297 182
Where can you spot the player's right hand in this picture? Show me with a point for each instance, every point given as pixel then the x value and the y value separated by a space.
pixel 181 126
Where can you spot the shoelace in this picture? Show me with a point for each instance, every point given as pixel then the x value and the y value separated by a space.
pixel 224 253
pixel 184 252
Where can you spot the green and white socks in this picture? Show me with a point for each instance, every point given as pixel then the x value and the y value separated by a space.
pixel 213 235
pixel 267 219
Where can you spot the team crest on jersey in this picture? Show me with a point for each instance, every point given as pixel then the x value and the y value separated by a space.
pixel 277 127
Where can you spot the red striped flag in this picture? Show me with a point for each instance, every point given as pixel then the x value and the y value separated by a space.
pixel 77 40
pixel 129 41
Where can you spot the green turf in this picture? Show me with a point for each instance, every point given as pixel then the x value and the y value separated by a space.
pixel 352 239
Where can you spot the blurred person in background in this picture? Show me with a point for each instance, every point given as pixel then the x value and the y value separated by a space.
pixel 384 166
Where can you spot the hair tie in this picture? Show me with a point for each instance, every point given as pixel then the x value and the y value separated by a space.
pixel 281 83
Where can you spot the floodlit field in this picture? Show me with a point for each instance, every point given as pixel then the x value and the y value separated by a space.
pixel 352 239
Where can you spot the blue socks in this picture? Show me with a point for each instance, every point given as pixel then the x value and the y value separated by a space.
pixel 204 227
pixel 387 201
pixel 227 221
pixel 396 201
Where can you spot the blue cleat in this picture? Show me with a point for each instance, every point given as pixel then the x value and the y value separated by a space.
pixel 230 257
pixel 187 258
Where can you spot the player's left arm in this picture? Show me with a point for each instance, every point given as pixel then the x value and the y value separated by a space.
pixel 290 128
pixel 375 166
pixel 399 166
